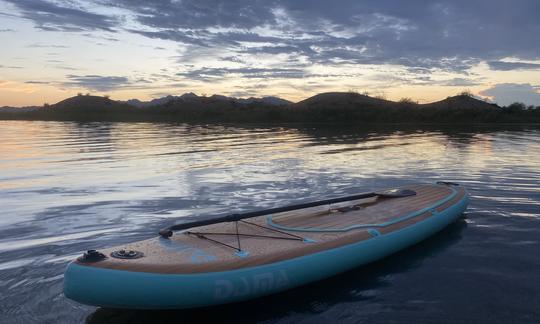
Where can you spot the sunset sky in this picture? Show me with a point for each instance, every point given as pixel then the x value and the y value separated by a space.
pixel 425 50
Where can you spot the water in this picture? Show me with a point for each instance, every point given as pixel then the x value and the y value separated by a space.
pixel 67 187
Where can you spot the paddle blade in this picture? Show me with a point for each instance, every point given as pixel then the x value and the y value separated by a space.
pixel 396 193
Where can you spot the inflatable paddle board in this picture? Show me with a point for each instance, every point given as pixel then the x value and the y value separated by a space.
pixel 245 256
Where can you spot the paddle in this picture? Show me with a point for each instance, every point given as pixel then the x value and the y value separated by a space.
pixel 391 193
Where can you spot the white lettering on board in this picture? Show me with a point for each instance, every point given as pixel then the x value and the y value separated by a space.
pixel 224 288
pixel 251 285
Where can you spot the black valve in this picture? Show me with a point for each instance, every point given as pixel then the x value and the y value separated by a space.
pixel 92 256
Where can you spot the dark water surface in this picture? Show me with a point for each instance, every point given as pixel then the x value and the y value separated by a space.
pixel 67 187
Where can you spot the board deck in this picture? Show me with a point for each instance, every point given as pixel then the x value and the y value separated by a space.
pixel 294 234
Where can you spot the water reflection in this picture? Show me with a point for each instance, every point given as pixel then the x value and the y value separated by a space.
pixel 66 187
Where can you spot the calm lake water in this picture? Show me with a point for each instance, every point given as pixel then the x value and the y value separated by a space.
pixel 67 187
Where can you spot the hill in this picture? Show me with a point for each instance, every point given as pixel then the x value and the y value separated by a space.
pixel 460 102
pixel 339 100
pixel 82 103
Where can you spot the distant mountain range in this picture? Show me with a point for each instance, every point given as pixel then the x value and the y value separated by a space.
pixel 190 96
pixel 331 107
pixel 7 109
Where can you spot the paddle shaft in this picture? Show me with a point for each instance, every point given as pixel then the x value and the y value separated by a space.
pixel 167 232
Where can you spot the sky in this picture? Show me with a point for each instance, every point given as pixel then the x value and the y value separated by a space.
pixel 423 50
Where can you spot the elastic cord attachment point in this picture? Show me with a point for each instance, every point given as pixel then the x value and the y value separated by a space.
pixel 165 233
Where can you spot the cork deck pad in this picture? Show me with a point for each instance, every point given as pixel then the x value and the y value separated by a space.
pixel 273 238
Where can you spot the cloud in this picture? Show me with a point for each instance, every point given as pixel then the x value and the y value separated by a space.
pixel 63 16
pixel 186 37
pixel 509 66
pixel 96 82
pixel 205 74
pixel 447 35
pixel 507 93
pixel 41 45
pixel 108 83
pixel 283 37
pixel 194 14
pixel 37 82
pixel 459 82
pixel 212 73
pixel 6 30
pixel 10 67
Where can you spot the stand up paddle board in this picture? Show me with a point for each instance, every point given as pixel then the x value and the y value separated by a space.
pixel 245 256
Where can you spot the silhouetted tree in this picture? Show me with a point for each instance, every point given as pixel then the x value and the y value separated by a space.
pixel 407 101
pixel 466 93
pixel 515 108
